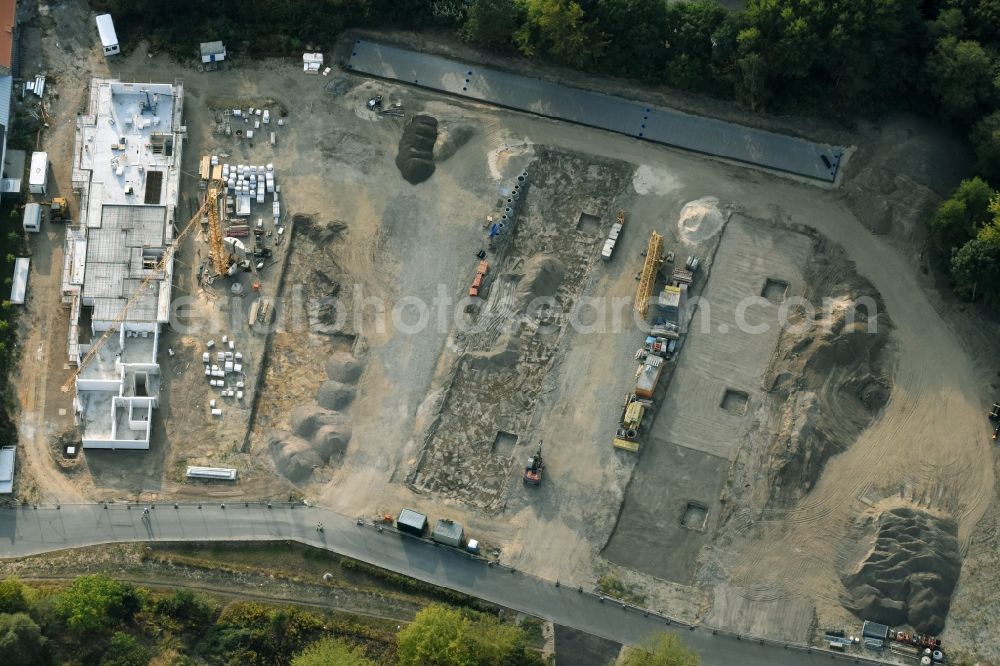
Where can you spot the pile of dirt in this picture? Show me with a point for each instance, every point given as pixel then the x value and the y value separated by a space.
pixel 910 573
pixel 319 432
pixel 830 377
pixel 416 149
pixel 344 367
pixel 334 395
pixel 294 457
pixel 700 220
pixel 307 419
pixel 541 279
pixel 450 139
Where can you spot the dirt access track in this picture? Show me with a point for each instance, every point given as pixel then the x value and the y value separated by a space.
pixel 377 239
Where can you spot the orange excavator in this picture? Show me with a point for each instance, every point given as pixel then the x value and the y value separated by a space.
pixel 535 469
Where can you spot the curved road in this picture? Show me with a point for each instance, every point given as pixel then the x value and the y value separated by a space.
pixel 29 531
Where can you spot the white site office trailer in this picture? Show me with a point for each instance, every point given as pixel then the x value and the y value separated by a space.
pixel 109 40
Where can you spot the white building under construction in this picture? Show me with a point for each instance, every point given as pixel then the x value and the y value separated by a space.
pixel 126 173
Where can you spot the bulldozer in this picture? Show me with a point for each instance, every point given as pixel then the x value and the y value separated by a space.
pixel 535 468
pixel 57 210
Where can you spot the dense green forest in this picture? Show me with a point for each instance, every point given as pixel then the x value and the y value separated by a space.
pixel 829 58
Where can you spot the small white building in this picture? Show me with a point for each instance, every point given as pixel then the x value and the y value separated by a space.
pixel 38 175
pixel 213 52
pixel 6 470
pixel 109 39
pixel 32 218
pixel 19 288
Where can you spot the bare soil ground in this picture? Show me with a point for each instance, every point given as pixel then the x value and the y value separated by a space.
pixel 927 444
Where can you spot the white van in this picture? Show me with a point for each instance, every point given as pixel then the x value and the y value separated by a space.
pixel 109 40
pixel 33 218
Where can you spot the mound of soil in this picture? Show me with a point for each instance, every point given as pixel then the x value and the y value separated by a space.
pixel 416 149
pixel 334 395
pixel 344 367
pixel 307 419
pixel 831 375
pixel 331 440
pixel 542 276
pixel 910 574
pixel 450 139
pixel 294 457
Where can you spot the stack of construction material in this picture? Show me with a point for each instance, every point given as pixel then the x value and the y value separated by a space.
pixel 312 62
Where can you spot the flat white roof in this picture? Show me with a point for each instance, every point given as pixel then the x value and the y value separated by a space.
pixel 106 29
pixel 39 167
pixel 6 470
pixel 19 288
pixel 223 473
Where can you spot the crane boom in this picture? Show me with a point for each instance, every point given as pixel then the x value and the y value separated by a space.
pixel 210 203
pixel 647 279
pixel 220 259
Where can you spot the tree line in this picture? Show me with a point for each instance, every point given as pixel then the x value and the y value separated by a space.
pixel 99 620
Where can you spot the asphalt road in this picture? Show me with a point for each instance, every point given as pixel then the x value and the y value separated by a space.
pixel 29 531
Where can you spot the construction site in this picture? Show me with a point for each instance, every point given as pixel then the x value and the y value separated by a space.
pixel 603 356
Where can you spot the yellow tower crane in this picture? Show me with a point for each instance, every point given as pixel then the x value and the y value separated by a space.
pixel 647 279
pixel 221 261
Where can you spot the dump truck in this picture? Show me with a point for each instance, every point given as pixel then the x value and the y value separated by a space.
pixel 995 417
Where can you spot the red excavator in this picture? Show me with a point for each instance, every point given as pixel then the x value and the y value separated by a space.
pixel 536 467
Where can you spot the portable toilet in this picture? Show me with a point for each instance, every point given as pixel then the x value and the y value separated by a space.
pixel 33 218
pixel 106 29
pixel 39 173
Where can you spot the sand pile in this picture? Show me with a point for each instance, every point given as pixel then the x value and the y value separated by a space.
pixel 910 573
pixel 700 220
pixel 416 149
pixel 319 432
pixel 450 138
pixel 541 279
pixel 830 378
pixel 651 180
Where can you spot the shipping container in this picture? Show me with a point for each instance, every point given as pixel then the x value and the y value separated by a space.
pixel 412 522
pixel 449 533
